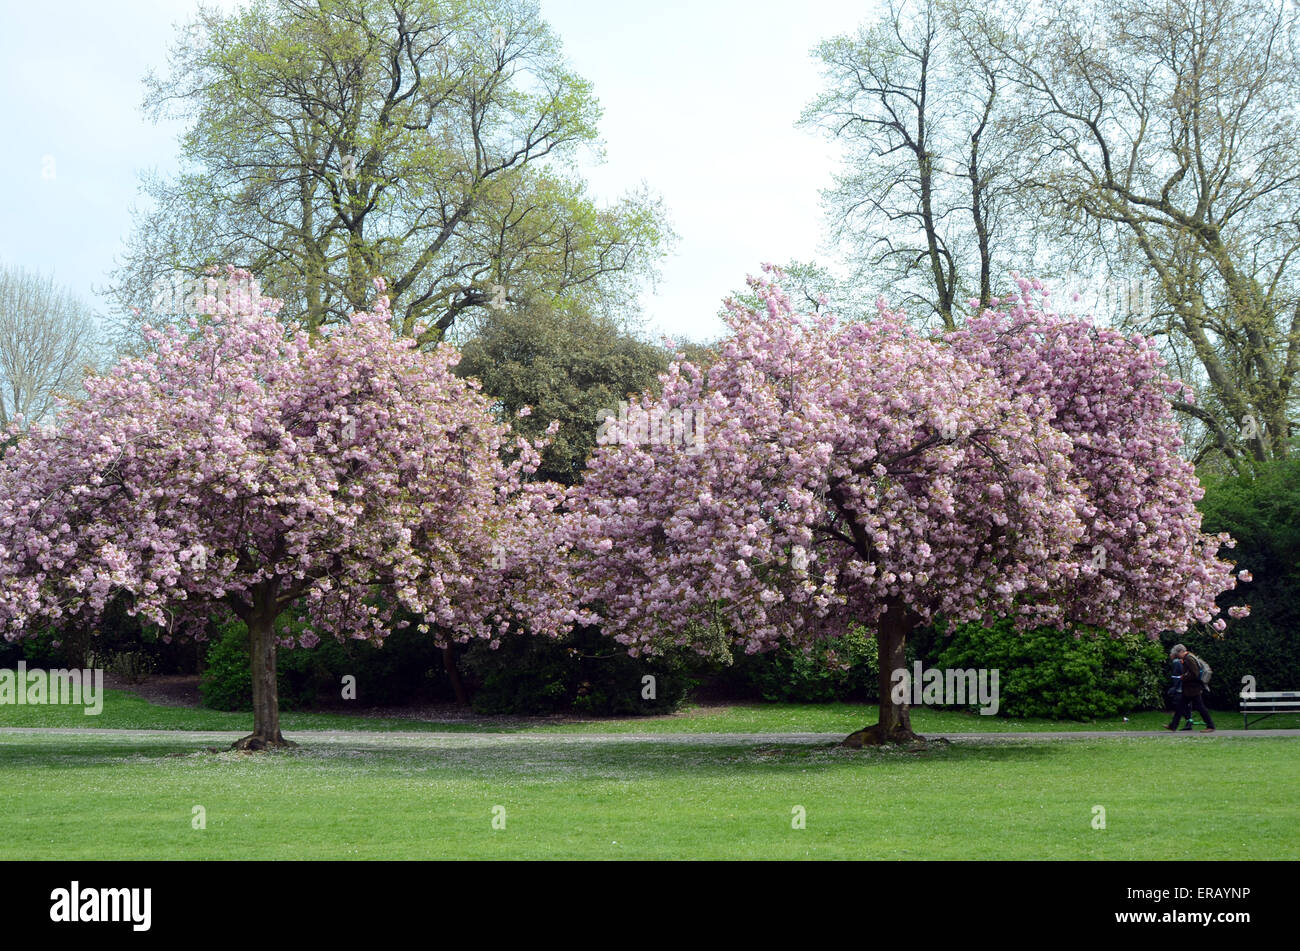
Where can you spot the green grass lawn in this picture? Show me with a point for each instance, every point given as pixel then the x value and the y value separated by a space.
pixel 125 710
pixel 113 796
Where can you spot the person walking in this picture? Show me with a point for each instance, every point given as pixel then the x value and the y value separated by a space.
pixel 1193 691
pixel 1175 695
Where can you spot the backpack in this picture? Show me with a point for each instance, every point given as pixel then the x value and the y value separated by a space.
pixel 1203 671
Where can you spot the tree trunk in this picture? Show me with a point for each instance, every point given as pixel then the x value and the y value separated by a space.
pixel 266 698
pixel 894 724
pixel 453 673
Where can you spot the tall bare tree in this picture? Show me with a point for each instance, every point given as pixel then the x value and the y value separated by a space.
pixel 1169 148
pixel 47 343
pixel 924 202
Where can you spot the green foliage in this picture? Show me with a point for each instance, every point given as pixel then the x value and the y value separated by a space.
pixel 406 669
pixel 585 673
pixel 116 641
pixel 131 666
pixel 807 282
pixel 1056 674
pixel 844 668
pixel 1262 512
pixel 301 675
pixel 44 650
pixel 565 365
pixel 227 681
pixel 434 142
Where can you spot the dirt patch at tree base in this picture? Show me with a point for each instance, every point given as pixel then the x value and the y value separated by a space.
pixel 166 690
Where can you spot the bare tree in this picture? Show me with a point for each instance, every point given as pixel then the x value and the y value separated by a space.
pixel 924 202
pixel 46 345
pixel 1169 145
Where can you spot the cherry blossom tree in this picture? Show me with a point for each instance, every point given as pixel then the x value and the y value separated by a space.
pixel 824 473
pixel 241 465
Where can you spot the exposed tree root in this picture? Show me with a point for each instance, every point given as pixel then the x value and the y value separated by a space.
pixel 254 743
pixel 876 735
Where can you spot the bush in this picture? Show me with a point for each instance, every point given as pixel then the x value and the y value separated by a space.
pixel 45 651
pixel 843 668
pixel 407 668
pixel 227 679
pixel 117 642
pixel 1262 512
pixel 585 672
pixel 1062 675
pixel 131 666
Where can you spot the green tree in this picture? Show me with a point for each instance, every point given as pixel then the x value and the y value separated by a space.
pixel 428 141
pixel 813 288
pixel 1262 511
pixel 564 364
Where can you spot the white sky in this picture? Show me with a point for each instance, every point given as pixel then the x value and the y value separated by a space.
pixel 700 101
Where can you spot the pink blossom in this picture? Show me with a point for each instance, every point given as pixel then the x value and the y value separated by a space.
pixel 1056 442
pixel 239 466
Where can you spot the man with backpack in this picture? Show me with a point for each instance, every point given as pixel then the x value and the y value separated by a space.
pixel 1195 680
pixel 1175 695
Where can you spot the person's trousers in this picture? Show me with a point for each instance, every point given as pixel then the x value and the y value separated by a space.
pixel 1181 711
pixel 1183 707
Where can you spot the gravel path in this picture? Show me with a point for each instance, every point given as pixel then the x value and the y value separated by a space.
pixel 416 740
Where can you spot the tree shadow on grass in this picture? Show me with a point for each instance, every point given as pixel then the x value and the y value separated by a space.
pixel 557 757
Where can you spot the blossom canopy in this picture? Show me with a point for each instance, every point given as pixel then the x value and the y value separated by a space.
pixel 242 464
pixel 1025 466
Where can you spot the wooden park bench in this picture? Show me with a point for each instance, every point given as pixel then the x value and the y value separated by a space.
pixel 1263 704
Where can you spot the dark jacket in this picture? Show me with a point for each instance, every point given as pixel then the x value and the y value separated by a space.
pixel 1192 685
pixel 1176 691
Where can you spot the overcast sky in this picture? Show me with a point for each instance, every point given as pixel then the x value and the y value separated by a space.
pixel 700 101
